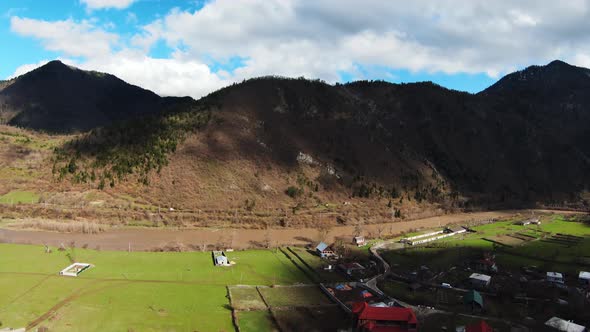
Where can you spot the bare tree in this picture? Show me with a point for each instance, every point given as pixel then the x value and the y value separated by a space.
pixel 267 237
pixel 380 229
pixel 358 228
pixel 323 231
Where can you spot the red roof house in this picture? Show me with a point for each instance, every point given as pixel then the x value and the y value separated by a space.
pixel 384 319
pixel 481 326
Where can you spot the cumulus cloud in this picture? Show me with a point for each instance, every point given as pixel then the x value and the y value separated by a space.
pixel 70 37
pixel 322 39
pixel 103 4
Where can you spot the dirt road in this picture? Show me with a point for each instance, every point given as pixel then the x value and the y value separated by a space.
pixel 142 239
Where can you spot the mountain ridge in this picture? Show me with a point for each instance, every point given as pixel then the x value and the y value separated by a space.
pixel 396 149
pixel 62 99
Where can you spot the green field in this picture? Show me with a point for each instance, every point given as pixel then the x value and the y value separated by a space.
pixel 138 291
pixel 539 250
pixel 256 321
pixel 19 197
pixel 294 296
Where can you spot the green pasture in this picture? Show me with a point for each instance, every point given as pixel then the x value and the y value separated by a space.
pixel 256 321
pixel 137 291
pixel 541 250
pixel 19 197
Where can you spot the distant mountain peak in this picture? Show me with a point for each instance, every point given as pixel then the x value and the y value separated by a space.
pixel 557 62
pixel 60 98
pixel 555 77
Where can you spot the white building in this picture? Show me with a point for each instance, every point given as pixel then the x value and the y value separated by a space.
pixel 564 325
pixel 480 280
pixel 74 270
pixel 584 278
pixel 555 277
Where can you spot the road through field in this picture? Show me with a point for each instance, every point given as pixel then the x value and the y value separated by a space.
pixel 143 239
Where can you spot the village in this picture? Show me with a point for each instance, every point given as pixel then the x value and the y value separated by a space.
pixel 431 282
pixel 517 274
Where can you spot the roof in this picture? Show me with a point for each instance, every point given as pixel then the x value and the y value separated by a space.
pixel 584 275
pixel 554 275
pixel 397 314
pixel 456 228
pixel 221 259
pixel 372 327
pixel 473 296
pixel 480 326
pixel 481 277
pixel 321 247
pixel 563 325
pixel 351 266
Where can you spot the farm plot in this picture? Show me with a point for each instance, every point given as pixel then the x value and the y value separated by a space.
pixel 256 321
pixel 311 319
pixel 246 298
pixel 294 296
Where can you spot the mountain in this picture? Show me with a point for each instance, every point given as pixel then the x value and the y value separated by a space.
pixel 281 149
pixel 61 99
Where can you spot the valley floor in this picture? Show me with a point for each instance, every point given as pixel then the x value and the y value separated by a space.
pixel 146 239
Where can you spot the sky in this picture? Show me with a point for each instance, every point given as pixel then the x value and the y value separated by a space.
pixel 194 47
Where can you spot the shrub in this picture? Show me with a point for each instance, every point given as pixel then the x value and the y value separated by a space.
pixel 294 192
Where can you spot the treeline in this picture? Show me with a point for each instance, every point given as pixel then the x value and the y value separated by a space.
pixel 108 155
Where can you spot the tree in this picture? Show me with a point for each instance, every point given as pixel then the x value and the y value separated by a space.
pixel 323 231
pixel 358 228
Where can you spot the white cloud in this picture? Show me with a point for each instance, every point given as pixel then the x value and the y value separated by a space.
pixel 103 4
pixel 321 39
pixel 70 37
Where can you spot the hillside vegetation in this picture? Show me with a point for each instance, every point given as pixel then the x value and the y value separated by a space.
pixel 279 152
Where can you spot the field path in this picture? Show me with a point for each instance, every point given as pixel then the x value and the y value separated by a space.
pixel 75 295
pixel 19 296
pixel 143 239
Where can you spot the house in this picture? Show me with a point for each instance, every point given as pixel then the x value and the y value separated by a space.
pixel 480 326
pixel 533 221
pixel 555 277
pixel 350 268
pixel 584 278
pixel 455 229
pixel 368 318
pixel 564 325
pixel 480 280
pixel 324 250
pixel 474 300
pixel 219 259
pixel 359 241
pixel 485 265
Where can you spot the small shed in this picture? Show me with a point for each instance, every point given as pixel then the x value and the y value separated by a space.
pixel 564 325
pixel 359 241
pixel 455 229
pixel 221 260
pixel 473 299
pixel 480 280
pixel 350 268
pixel 555 277
pixel 324 250
pixel 584 278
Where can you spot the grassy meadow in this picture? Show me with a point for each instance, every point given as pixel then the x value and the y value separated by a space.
pixel 137 291
pixel 515 246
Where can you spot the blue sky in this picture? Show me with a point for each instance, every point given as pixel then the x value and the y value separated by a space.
pixel 194 47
